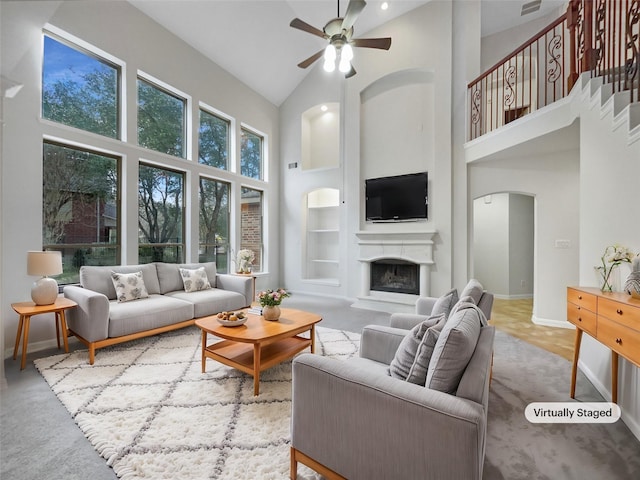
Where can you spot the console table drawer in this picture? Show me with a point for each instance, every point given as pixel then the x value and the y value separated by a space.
pixel 584 300
pixel 581 318
pixel 622 313
pixel 620 339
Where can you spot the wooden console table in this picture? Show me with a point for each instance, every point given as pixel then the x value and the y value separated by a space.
pixel 612 318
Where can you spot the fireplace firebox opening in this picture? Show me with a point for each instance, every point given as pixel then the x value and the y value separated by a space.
pixel 397 276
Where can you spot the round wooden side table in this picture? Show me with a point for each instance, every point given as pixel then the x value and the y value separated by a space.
pixel 26 310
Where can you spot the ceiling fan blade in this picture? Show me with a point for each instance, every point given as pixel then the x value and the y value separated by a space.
pixel 381 43
pixel 353 10
pixel 305 27
pixel 311 59
pixel 350 73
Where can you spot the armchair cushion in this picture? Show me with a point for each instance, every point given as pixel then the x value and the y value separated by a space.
pixel 473 289
pixel 445 303
pixel 454 349
pixel 412 356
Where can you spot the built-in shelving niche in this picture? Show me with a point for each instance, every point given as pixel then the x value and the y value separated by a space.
pixel 322 236
pixel 321 137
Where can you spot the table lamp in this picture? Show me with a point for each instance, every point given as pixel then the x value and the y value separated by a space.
pixel 45 290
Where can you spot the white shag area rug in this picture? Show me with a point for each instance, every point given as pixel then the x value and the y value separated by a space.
pixel 148 410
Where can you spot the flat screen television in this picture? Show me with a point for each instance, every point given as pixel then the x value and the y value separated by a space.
pixel 397 198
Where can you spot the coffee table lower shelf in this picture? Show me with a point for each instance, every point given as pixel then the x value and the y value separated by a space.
pixel 253 358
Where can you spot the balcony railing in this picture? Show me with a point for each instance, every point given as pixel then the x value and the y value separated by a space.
pixel 597 36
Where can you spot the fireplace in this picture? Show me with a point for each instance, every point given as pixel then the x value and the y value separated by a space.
pixel 397 276
pixel 394 269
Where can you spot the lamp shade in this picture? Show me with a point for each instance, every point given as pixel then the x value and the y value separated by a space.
pixel 44 263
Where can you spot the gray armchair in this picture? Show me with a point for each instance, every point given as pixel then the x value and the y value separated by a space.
pixel 351 420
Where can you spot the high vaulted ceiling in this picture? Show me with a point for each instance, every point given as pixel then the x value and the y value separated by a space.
pixel 253 41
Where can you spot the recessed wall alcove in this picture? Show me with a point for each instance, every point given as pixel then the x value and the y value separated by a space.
pixel 321 136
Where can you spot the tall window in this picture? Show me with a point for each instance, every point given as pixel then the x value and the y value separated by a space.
pixel 213 140
pixel 161 120
pixel 251 225
pixel 80 208
pixel 214 223
pixel 160 215
pixel 80 89
pixel 251 154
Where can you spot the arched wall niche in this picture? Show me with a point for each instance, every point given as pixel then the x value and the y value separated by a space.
pixel 321 136
pixel 397 124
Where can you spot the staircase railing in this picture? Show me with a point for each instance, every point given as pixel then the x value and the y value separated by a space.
pixel 597 36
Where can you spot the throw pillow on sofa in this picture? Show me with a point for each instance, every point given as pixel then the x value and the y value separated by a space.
pixel 403 361
pixel 195 280
pixel 473 289
pixel 418 372
pixel 129 286
pixel 445 303
pixel 454 349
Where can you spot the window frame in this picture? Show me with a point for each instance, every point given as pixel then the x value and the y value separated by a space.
pixel 184 210
pixel 187 124
pixel 231 124
pixel 263 152
pixel 229 215
pixel 100 55
pixel 92 150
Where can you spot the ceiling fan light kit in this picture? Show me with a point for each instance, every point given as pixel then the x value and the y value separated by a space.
pixel 339 32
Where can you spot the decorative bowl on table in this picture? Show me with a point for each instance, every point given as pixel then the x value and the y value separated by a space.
pixel 231 319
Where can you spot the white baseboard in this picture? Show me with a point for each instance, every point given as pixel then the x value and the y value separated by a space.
pixel 37 347
pixel 626 417
pixel 548 322
pixel 513 297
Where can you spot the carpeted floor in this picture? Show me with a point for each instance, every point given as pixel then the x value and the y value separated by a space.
pixel 40 440
pixel 150 412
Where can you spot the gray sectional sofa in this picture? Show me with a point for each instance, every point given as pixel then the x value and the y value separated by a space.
pixel 101 320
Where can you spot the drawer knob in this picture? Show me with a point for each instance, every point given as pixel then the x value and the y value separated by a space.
pixel 579 297
pixel 579 319
pixel 619 312
pixel 619 341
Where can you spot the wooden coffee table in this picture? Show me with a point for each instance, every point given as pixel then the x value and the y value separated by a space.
pixel 258 344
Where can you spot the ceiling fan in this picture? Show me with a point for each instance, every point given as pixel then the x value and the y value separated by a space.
pixel 339 33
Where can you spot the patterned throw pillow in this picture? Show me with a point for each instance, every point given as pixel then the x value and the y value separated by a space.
pixel 195 280
pixel 403 364
pixel 129 286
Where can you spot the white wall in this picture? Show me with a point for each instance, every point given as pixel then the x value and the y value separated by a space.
pixel 609 173
pixel 491 243
pixel 396 118
pixel 521 245
pixel 124 32
pixel 552 178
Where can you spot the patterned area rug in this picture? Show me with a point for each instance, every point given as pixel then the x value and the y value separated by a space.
pixel 148 410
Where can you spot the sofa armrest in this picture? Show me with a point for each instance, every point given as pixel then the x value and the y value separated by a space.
pixel 406 321
pixel 379 343
pixel 90 319
pixel 236 283
pixel 365 425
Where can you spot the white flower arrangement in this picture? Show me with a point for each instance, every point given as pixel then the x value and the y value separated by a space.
pixel 613 255
pixel 244 260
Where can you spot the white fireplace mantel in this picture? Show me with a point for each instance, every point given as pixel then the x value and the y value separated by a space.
pixel 415 247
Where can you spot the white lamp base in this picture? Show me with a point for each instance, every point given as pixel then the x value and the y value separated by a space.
pixel 44 291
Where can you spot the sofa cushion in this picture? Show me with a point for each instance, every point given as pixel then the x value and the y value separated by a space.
pixel 129 286
pixel 445 303
pixel 146 314
pixel 403 361
pixel 99 280
pixel 194 280
pixel 418 372
pixel 473 289
pixel 170 279
pixel 210 302
pixel 454 348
